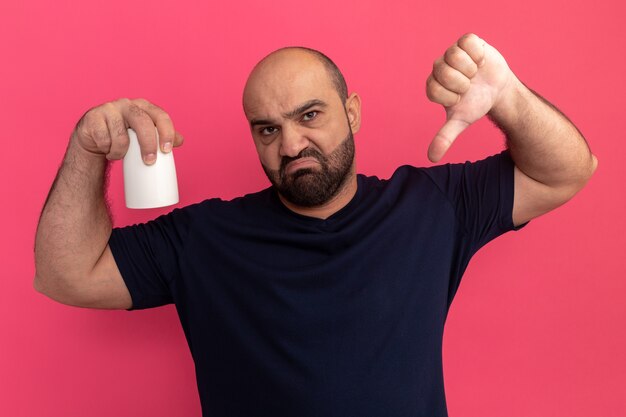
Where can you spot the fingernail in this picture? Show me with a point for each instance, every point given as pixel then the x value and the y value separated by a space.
pixel 149 158
pixel 167 146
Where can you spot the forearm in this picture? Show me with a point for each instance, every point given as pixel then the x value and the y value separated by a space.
pixel 74 226
pixel 544 144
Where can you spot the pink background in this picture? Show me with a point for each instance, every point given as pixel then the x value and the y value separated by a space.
pixel 538 327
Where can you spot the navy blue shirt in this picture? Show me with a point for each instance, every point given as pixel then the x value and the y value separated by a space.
pixel 288 315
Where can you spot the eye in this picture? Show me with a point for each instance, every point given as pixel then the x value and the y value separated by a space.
pixel 267 131
pixel 309 116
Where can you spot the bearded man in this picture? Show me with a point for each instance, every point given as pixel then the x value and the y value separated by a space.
pixel 325 294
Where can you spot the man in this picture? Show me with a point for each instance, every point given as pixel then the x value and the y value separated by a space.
pixel 326 294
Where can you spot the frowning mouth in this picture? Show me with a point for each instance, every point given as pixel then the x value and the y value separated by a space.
pixel 301 163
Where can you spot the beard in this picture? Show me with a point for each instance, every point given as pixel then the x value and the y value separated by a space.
pixel 310 187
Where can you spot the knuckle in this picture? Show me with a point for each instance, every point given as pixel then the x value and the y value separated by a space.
pixel 164 117
pixel 136 111
pixel 467 37
pixel 152 106
pixel 457 58
pixel 118 129
pixel 164 123
pixel 90 122
pixel 444 75
pixel 85 121
pixel 109 109
pixel 453 55
pixel 103 144
pixel 140 101
pixel 123 101
pixel 438 63
pixel 429 91
pixel 145 104
pixel 100 135
pixel 81 130
pixel 433 88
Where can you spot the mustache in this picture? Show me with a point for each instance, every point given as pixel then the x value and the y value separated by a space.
pixel 305 153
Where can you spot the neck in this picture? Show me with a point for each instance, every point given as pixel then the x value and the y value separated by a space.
pixel 332 206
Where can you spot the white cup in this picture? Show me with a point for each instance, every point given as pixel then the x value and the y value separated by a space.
pixel 149 186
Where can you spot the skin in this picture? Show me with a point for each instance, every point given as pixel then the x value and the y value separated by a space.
pixel 291 106
pixel 552 159
pixel 74 264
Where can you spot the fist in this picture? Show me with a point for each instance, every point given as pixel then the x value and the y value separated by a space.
pixel 469 80
pixel 103 129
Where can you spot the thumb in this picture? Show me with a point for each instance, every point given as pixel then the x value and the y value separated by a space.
pixel 444 138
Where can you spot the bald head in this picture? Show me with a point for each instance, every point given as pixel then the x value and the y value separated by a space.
pixel 282 64
pixel 335 75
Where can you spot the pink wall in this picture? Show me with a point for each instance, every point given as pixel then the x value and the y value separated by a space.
pixel 538 327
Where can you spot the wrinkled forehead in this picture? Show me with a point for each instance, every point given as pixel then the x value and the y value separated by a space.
pixel 282 81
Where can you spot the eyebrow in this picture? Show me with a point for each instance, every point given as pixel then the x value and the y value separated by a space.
pixel 302 108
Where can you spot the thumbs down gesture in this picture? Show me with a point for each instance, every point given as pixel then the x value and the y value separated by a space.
pixel 469 80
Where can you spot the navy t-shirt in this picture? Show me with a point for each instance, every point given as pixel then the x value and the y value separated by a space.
pixel 288 315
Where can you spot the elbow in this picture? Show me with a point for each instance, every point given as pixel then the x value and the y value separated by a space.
pixel 70 291
pixel 585 176
pixel 53 280
pixel 594 165
pixel 57 289
pixel 577 180
pixel 44 285
pixel 43 282
pixel 44 276
pixel 39 281
pixel 586 173
pixel 38 285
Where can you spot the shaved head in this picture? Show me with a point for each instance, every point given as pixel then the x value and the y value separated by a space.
pixel 336 77
pixel 298 52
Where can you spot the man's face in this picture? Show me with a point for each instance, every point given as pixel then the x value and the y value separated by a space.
pixel 301 128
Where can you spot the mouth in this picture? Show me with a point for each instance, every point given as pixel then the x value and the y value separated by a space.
pixel 301 163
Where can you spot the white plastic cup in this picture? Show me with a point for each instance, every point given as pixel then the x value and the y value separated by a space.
pixel 149 186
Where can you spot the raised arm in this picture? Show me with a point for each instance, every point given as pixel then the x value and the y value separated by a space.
pixel 74 264
pixel 552 159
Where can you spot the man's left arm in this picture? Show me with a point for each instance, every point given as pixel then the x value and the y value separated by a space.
pixel 552 159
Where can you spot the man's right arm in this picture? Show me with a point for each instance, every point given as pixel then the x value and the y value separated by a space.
pixel 74 264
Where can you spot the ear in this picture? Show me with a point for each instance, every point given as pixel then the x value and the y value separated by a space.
pixel 353 110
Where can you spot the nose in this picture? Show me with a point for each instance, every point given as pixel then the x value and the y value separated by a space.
pixel 293 141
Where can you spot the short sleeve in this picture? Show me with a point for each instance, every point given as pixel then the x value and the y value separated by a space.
pixel 482 195
pixel 148 257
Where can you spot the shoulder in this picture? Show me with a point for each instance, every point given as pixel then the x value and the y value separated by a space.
pixel 407 184
pixel 450 181
pixel 218 205
pixel 212 210
pixel 491 168
pixel 229 215
pixel 408 176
